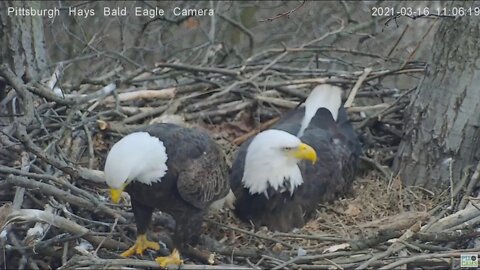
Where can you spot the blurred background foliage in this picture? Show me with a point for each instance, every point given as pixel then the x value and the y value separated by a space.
pixel 238 30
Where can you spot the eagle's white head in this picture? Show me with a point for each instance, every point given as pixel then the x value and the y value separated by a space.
pixel 272 158
pixel 137 156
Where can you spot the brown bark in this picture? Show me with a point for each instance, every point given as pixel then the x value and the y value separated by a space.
pixel 22 44
pixel 442 134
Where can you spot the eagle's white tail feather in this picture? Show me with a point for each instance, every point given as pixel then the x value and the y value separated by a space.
pixel 226 202
pixel 323 96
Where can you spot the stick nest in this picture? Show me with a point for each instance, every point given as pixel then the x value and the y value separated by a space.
pixel 55 137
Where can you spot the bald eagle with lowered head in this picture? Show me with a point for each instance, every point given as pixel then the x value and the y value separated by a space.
pixel 280 176
pixel 177 170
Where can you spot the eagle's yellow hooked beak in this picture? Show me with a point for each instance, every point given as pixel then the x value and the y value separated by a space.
pixel 116 193
pixel 306 152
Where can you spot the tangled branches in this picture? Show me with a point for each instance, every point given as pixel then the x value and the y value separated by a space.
pixel 55 137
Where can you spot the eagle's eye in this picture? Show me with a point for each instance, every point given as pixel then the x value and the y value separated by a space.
pixel 287 148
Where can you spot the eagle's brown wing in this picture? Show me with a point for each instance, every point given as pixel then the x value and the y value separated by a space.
pixel 196 162
pixel 205 178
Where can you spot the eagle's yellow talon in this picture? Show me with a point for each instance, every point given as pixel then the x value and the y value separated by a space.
pixel 129 252
pixel 173 258
pixel 140 246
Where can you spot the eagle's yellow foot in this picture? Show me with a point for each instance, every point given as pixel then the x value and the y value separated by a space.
pixel 140 246
pixel 173 258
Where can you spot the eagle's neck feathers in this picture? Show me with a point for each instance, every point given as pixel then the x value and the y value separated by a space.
pixel 151 166
pixel 153 175
pixel 259 176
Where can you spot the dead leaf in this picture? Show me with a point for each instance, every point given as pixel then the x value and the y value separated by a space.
pixel 352 210
pixel 277 248
pixel 192 23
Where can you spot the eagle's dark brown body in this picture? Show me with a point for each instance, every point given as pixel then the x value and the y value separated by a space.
pixel 337 147
pixel 196 177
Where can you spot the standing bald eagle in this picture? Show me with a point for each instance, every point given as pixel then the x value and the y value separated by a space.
pixel 277 177
pixel 177 170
